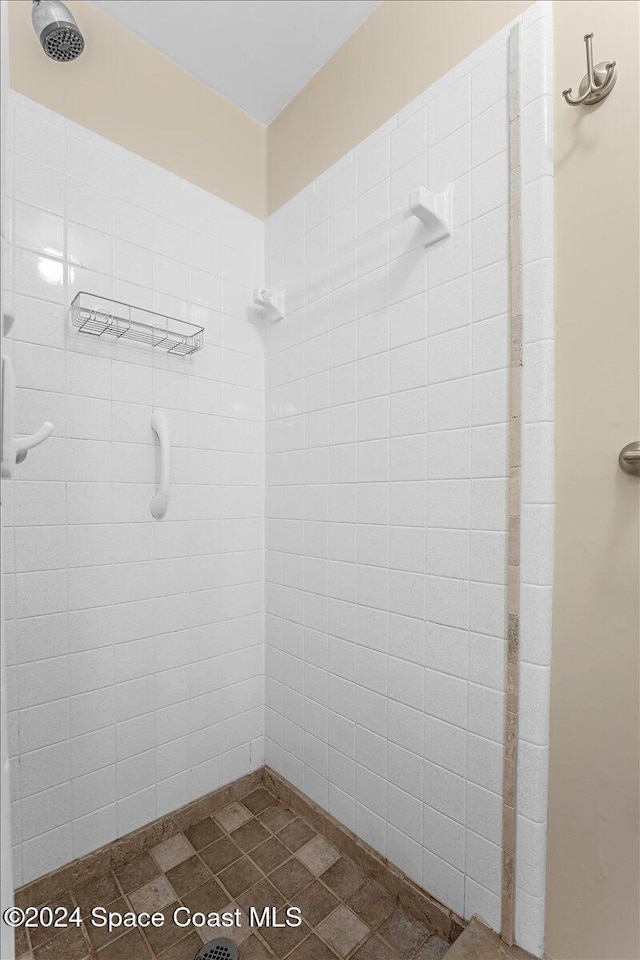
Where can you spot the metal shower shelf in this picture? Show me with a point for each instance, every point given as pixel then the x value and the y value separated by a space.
pixel 100 316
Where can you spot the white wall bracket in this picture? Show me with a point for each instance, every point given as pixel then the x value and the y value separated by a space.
pixel 24 444
pixel 268 304
pixel 434 210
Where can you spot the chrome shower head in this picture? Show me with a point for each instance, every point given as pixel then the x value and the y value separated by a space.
pixel 56 30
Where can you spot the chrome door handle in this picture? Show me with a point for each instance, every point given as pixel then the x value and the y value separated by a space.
pixel 629 458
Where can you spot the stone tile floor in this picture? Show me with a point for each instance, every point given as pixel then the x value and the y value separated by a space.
pixel 253 852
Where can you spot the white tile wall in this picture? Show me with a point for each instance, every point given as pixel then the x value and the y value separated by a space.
pixel 536 573
pixel 385 604
pixel 136 646
pixel 386 477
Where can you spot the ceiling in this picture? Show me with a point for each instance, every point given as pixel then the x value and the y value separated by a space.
pixel 257 53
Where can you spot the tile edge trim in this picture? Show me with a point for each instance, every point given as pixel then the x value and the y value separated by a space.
pixel 512 697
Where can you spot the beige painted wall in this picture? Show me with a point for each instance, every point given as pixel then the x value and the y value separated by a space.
pixel 132 94
pixel 400 50
pixel 593 891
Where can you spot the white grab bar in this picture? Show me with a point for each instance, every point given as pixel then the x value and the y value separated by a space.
pixel 15 449
pixel 160 501
pixel 7 419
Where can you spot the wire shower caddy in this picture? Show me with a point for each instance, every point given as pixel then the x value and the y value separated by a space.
pixel 101 316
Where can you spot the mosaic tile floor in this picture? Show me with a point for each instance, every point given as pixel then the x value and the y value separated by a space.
pixel 253 852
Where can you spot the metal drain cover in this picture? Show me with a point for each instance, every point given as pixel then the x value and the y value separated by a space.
pixel 218 949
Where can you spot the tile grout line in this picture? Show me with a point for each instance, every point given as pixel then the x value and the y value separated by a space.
pixel 514 508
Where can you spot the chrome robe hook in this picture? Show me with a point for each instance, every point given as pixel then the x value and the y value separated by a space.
pixel 598 82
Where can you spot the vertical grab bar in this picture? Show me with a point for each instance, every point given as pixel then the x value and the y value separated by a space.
pixel 160 500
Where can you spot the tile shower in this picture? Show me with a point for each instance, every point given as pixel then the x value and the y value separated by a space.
pixel 387 466
pixel 138 647
pixel 328 592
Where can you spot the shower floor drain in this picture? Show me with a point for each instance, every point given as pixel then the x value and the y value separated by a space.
pixel 218 949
